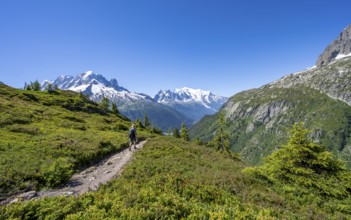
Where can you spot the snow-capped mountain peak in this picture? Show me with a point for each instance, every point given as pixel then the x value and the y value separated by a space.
pixel 95 85
pixel 186 94
pixel 87 74
pixel 194 102
pixel 180 105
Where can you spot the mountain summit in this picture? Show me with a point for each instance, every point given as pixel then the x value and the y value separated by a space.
pixel 339 48
pixel 320 97
pixel 95 85
pixel 167 110
pixel 194 103
pixel 132 105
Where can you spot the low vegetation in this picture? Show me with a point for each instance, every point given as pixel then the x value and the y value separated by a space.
pixel 47 136
pixel 173 179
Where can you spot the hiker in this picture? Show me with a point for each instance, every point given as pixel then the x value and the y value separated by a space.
pixel 132 137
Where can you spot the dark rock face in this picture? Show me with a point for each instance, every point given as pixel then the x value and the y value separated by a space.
pixel 340 46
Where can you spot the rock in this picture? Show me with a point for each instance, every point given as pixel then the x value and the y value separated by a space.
pixel 15 200
pixel 28 195
pixel 340 46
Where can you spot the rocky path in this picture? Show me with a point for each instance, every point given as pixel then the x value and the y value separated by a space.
pixel 89 179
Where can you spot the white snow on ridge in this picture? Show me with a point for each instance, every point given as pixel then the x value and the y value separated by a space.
pixel 340 56
pixel 87 73
pixel 98 88
pixel 79 88
pixel 189 96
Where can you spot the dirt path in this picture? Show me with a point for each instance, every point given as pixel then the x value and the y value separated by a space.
pixel 89 179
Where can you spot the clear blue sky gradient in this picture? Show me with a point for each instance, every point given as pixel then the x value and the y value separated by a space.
pixel 225 46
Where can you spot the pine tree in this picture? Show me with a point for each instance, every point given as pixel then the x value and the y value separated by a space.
pixel 35 86
pixel 105 103
pixel 146 121
pixel 184 133
pixel 156 130
pixel 49 88
pixel 221 139
pixel 28 87
pixel 114 108
pixel 305 167
pixel 138 123
pixel 176 133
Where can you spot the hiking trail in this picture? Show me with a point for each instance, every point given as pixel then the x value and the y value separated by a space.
pixel 88 179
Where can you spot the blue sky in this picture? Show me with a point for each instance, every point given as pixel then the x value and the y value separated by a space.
pixel 225 46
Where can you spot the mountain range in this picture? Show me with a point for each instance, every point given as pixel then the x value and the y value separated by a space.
pixel 195 103
pixel 167 110
pixel 258 119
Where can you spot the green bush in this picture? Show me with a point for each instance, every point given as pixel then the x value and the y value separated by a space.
pixel 305 172
pixel 59 172
pixel 120 127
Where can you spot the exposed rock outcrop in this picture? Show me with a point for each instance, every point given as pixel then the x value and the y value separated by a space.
pixel 341 46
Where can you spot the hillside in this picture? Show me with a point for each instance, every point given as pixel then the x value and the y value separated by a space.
pixel 258 119
pixel 46 137
pixel 172 179
pixel 49 136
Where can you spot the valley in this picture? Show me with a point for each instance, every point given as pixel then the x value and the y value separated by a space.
pixel 280 151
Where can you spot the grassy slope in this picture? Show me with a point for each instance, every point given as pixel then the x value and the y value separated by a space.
pixel 45 137
pixel 330 120
pixel 172 179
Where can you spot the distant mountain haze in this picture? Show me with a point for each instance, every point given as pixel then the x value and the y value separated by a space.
pixel 166 111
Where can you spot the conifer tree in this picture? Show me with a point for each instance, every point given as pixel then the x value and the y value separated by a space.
pixel 138 123
pixel 49 88
pixel 156 130
pixel 221 139
pixel 35 86
pixel 184 133
pixel 176 133
pixel 28 87
pixel 105 103
pixel 114 108
pixel 304 165
pixel 146 121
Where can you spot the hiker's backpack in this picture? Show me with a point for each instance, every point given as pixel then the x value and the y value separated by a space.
pixel 132 133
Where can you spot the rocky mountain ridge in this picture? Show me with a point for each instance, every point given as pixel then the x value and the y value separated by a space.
pixel 189 107
pixel 193 102
pixel 258 119
pixel 339 48
pixel 333 79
